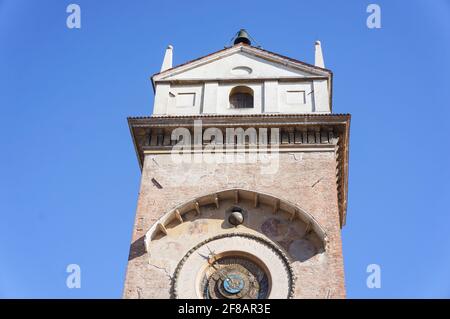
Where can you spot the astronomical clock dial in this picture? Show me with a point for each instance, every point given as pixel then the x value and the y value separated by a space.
pixel 226 267
pixel 234 277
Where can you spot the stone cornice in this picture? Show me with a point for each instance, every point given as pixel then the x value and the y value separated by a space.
pixel 244 80
pixel 304 132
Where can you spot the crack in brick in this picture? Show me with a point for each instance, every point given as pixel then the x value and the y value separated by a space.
pixel 296 157
pixel 317 182
pixel 154 161
pixel 139 292
pixel 163 269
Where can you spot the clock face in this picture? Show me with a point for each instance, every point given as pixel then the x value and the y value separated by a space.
pixel 234 277
pixel 226 267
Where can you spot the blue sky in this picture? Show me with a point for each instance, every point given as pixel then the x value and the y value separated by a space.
pixel 69 177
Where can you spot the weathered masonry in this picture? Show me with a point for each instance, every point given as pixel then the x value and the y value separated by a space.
pixel 244 180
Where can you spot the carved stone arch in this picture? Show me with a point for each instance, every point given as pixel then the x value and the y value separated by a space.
pixel 295 212
pixel 256 238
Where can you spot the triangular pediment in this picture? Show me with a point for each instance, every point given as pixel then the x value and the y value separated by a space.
pixel 242 61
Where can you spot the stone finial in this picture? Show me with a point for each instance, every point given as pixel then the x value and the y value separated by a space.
pixel 167 62
pixel 318 56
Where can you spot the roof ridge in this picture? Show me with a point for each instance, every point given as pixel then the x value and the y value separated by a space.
pixel 248 46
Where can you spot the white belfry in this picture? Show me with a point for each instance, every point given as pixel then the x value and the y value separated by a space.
pixel 167 62
pixel 318 56
pixel 242 79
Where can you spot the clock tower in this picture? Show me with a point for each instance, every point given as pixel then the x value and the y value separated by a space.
pixel 244 179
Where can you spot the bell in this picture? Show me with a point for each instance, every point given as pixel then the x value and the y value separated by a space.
pixel 236 217
pixel 242 37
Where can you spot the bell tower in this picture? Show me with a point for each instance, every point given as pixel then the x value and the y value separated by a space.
pixel 244 179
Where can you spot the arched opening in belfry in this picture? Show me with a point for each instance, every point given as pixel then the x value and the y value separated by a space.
pixel 241 97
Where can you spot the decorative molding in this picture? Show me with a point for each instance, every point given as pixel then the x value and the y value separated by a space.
pixel 283 257
pixel 298 133
pixel 210 199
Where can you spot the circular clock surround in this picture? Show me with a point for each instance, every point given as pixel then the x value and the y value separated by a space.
pixel 226 267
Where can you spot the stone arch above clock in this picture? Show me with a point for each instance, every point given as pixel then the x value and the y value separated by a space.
pixel 291 228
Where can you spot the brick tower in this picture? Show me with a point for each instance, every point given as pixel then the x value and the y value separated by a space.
pixel 244 180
